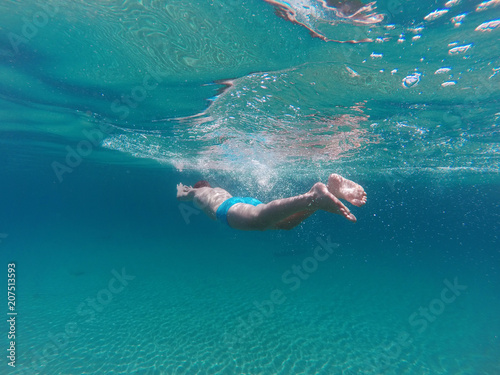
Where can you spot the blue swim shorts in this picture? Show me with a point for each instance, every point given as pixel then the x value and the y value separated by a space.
pixel 221 213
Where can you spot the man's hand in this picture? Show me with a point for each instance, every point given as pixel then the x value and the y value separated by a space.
pixel 183 192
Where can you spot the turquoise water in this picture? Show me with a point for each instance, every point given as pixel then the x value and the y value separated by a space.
pixel 106 106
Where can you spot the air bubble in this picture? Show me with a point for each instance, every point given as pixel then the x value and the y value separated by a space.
pixel 411 80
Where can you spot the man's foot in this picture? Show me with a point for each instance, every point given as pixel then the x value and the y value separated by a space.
pixel 326 201
pixel 346 189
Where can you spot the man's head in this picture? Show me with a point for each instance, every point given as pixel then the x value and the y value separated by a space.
pixel 201 183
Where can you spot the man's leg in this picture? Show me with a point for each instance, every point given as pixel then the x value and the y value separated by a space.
pixel 267 216
pixel 341 188
pixel 292 221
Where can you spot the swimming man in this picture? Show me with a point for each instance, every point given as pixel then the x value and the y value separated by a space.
pixel 246 213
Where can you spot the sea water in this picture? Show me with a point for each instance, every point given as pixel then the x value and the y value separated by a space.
pixel 106 106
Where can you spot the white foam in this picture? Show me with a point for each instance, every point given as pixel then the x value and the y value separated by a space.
pixel 436 14
pixel 460 49
pixel 488 26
